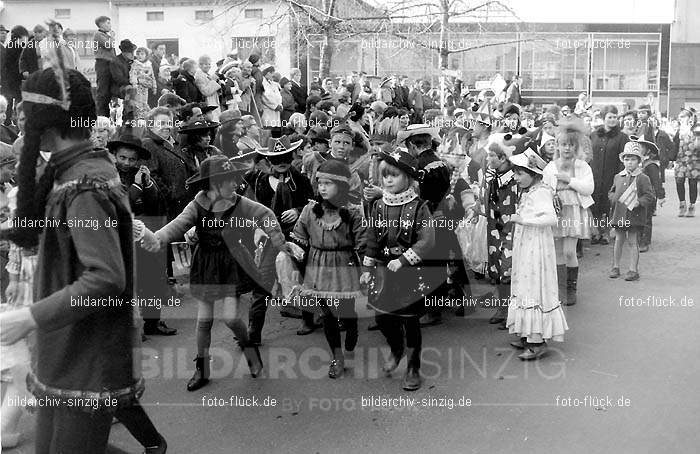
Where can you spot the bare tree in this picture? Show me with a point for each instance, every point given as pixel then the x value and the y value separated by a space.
pixel 329 22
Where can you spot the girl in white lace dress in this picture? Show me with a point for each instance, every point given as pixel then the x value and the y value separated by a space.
pixel 534 312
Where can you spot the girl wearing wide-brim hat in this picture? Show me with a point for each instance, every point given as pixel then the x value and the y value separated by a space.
pixel 222 268
pixel 195 139
pixel 399 236
pixel 534 311
pixel 630 196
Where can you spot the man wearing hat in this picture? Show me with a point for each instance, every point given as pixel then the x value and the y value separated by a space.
pixel 3 36
pixel 148 205
pixel 286 191
pixel 119 69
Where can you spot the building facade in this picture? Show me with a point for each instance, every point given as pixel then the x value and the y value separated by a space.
pixel 685 57
pixel 187 28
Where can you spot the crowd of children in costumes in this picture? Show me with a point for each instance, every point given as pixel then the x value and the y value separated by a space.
pixel 339 215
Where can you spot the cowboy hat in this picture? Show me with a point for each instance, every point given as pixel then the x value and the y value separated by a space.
pixel 648 143
pixel 417 130
pixel 529 160
pixel 401 159
pixel 129 141
pixel 280 146
pixel 197 126
pixel 217 165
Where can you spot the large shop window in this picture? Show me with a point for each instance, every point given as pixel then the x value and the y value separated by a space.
pixel 487 55
pixel 625 62
pixel 554 61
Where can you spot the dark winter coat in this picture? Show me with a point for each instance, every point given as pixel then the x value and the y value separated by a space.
pixel 606 146
pixel 11 76
pixel 169 171
pixel 29 58
pixel 119 69
pixel 185 87
pixel 299 94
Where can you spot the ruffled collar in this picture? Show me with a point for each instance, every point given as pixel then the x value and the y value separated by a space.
pixel 401 198
pixel 331 217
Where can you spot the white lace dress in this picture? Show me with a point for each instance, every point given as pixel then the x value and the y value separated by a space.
pixel 535 310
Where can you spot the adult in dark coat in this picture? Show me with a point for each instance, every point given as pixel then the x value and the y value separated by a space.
pixel 156 58
pixel 607 142
pixel 184 84
pixel 167 165
pixel 119 68
pixel 148 206
pixel 9 69
pixel 105 52
pixel 29 60
pixel 401 93
pixel 298 90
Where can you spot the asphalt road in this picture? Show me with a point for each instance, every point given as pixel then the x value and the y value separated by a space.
pixel 624 381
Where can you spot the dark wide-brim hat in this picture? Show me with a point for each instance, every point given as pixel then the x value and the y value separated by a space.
pixel 401 159
pixel 129 141
pixel 198 126
pixel 204 107
pixel 218 165
pixel 279 146
pixel 646 142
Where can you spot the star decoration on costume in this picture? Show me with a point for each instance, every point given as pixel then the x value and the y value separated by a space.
pixel 396 155
pixel 386 250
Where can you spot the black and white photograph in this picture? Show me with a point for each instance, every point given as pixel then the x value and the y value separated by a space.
pixel 349 226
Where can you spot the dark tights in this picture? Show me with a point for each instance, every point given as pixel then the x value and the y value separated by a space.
pixel 395 328
pixel 346 313
pixel 692 189
pixel 139 425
